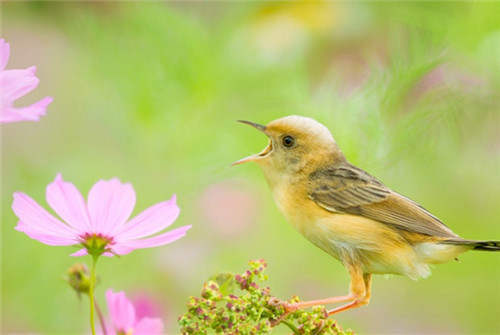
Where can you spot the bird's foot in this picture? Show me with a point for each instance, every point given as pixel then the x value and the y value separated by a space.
pixel 290 307
pixel 287 306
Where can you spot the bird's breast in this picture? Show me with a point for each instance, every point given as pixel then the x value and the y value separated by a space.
pixel 349 238
pixel 302 213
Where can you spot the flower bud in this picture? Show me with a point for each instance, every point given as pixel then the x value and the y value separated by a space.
pixel 78 278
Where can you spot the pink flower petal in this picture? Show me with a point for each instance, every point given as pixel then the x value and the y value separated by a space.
pixel 84 252
pixel 109 329
pixel 38 219
pixel 154 241
pixel 121 311
pixel 110 204
pixel 146 305
pixel 79 253
pixel 68 203
pixel 121 250
pixel 4 54
pixel 148 326
pixel 30 113
pixel 150 221
pixel 44 238
pixel 17 83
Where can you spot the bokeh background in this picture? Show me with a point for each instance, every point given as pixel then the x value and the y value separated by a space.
pixel 149 92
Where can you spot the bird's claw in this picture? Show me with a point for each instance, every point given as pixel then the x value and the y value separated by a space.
pixel 275 302
pixel 287 307
pixel 290 307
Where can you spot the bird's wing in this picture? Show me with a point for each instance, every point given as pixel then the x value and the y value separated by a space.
pixel 347 189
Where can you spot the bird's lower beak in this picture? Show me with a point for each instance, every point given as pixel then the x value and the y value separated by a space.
pixel 261 154
pixel 255 157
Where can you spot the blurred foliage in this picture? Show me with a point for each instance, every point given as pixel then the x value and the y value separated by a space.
pixel 149 92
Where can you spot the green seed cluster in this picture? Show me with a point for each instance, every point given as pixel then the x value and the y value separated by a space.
pixel 254 311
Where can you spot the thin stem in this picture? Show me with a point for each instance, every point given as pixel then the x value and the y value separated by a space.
pixel 91 293
pixel 318 331
pixel 101 318
pixel 291 326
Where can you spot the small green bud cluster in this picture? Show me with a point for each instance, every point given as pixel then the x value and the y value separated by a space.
pixel 78 278
pixel 254 311
pixel 314 322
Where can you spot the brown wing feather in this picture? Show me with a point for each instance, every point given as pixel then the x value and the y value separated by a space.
pixel 347 189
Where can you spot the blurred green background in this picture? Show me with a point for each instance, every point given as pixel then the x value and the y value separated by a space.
pixel 149 92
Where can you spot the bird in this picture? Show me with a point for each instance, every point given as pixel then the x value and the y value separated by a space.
pixel 348 213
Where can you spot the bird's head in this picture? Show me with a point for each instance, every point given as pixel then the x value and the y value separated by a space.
pixel 295 142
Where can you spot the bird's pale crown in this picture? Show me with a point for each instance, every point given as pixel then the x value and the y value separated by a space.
pixel 301 125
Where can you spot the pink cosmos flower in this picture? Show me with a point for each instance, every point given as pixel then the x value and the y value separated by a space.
pixel 124 319
pixel 13 85
pixel 146 305
pixel 100 225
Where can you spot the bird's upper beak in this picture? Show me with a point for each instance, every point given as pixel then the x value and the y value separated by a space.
pixel 261 154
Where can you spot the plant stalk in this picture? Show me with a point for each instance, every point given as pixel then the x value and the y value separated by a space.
pixel 91 293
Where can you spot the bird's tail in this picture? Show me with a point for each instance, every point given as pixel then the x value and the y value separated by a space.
pixel 477 245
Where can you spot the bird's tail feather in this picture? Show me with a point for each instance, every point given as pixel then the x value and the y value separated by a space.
pixel 477 245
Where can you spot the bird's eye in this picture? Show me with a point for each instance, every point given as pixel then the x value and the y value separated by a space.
pixel 288 141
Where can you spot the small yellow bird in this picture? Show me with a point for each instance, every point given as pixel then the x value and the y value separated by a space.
pixel 348 213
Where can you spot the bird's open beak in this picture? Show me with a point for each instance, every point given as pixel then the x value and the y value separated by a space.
pixel 261 154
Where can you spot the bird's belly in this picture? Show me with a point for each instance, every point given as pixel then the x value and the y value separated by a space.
pixel 356 239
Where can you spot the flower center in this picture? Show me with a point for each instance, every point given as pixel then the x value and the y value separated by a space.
pixel 96 244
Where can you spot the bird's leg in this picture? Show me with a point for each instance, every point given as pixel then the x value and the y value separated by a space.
pixel 304 304
pixel 363 299
pixel 357 292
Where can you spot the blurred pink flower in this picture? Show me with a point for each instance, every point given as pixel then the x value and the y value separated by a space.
pixel 230 207
pixel 124 319
pixel 100 225
pixel 14 84
pixel 146 305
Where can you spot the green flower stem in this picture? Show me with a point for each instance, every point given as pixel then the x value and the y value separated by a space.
pixel 91 292
pixel 101 318
pixel 291 326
